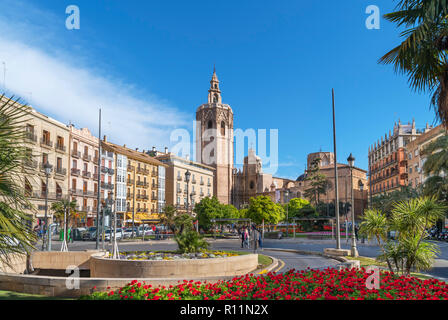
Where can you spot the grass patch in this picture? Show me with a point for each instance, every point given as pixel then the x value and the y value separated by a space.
pixel 11 295
pixel 365 261
pixel 264 261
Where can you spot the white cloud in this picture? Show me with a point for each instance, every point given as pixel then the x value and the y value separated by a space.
pixel 54 83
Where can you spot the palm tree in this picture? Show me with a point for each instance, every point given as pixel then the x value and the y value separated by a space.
pixel 59 209
pixel 168 217
pixel 16 235
pixel 422 54
pixel 375 225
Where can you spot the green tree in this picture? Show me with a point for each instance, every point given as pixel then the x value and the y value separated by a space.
pixel 410 219
pixel 208 209
pixel 299 208
pixel 168 217
pixel 386 201
pixel 189 241
pixel 263 208
pixel 59 208
pixel 16 235
pixel 183 222
pixel 421 56
pixel 317 182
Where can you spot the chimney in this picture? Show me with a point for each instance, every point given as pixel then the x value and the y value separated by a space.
pixel 153 148
pixel 136 149
pixel 124 145
pixel 105 138
pixel 166 149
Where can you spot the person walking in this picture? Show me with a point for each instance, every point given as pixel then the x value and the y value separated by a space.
pixel 241 232
pixel 246 237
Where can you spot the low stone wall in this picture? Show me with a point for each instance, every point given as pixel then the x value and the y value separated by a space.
pixel 61 260
pixel 186 268
pixel 16 263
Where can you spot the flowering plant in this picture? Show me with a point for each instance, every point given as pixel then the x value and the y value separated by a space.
pixel 328 284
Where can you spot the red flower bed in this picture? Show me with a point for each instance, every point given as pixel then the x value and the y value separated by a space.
pixel 329 284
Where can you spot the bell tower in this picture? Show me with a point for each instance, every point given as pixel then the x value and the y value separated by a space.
pixel 214 140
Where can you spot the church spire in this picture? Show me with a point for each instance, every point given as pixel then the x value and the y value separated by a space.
pixel 214 94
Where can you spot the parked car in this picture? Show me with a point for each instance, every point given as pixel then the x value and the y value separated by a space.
pixel 89 234
pixel 147 230
pixel 118 236
pixel 127 232
pixel 77 233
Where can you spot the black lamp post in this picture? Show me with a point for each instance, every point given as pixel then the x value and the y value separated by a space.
pixel 351 163
pixel 286 195
pixel 187 180
pixel 47 168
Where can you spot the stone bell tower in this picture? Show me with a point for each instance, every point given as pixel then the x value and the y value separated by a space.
pixel 214 140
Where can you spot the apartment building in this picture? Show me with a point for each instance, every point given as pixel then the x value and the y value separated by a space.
pixel 415 160
pixel 199 187
pixel 84 174
pixel 142 184
pixel 47 142
pixel 388 161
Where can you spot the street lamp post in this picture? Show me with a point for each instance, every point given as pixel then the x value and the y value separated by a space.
pixel 286 195
pixel 361 188
pixel 351 163
pixel 187 180
pixel 47 168
pixel 115 253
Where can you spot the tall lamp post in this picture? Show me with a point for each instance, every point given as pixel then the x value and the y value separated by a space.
pixel 47 168
pixel 187 180
pixel 286 195
pixel 109 203
pixel 351 163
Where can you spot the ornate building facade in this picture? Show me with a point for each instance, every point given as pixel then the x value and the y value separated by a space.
pixel 388 161
pixel 214 140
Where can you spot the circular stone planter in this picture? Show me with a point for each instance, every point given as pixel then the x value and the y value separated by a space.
pixel 182 268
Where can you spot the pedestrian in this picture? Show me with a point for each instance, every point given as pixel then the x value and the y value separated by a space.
pixel 246 237
pixel 356 232
pixel 241 232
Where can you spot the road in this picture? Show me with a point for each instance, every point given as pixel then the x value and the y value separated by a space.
pixel 287 260
pixel 291 260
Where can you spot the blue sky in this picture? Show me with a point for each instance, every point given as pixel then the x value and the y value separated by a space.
pixel 149 63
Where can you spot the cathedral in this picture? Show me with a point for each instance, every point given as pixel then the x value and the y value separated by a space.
pixel 214 147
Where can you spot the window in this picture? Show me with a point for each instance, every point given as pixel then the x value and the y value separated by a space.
pixel 210 124
pixel 223 128
pixel 58 164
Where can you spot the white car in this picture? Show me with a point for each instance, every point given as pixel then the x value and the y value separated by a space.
pixel 118 235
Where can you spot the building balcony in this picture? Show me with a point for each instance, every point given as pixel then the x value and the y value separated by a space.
pixel 86 174
pixel 154 185
pixel 95 159
pixel 129 196
pixel 154 173
pixel 209 184
pixel 142 171
pixel 46 143
pixel 110 171
pixel 193 181
pixel 86 157
pixel 142 210
pixel 179 190
pixel 104 169
pixel 77 192
pixel 30 136
pixel 51 195
pixel 130 209
pixel 201 183
pixel 88 193
pixel 142 184
pixel 153 198
pixel 85 209
pixel 201 194
pixel 130 168
pixel 142 197
pixel 109 186
pixel 76 154
pixel 75 172
pixel 179 178
pixel 61 171
pixel 130 182
pixel 95 176
pixel 60 147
